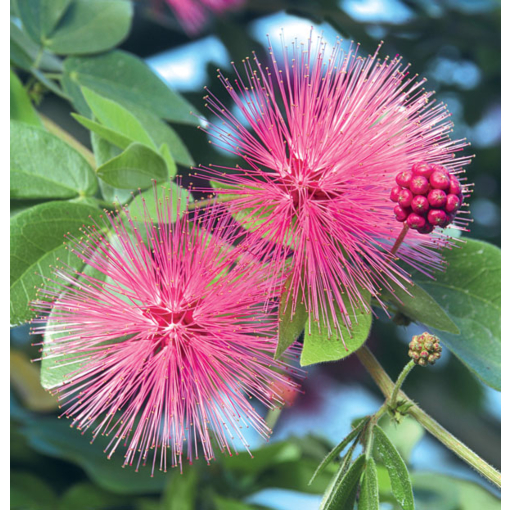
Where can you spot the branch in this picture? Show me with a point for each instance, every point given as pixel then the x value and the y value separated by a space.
pixel 386 385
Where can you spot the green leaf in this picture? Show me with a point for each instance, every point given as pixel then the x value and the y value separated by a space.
pixel 339 448
pixel 30 493
pixel 170 163
pixel 55 438
pixel 127 80
pixel 419 306
pixel 39 17
pixel 37 236
pixel 136 167
pixel 90 26
pixel 230 504
pixel 263 458
pixel 318 347
pixel 117 118
pixel 289 326
pixel 104 132
pixel 24 52
pixel 369 495
pixel 343 492
pixel 44 166
pixel 103 152
pixel 182 490
pixel 86 496
pixel 21 106
pixel 404 435
pixel 470 293
pixel 178 195
pixel 399 476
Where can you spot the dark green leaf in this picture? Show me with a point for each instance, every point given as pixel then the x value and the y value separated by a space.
pixel 25 52
pixel 126 79
pixel 369 495
pixel 399 476
pixel 39 17
pixel 136 167
pixel 342 495
pixel 318 346
pixel 470 292
pixel 419 306
pixel 44 166
pixel 179 197
pixel 37 236
pixel 289 326
pixel 90 26
pixel 86 496
pixel 55 438
pixel 31 493
pixel 182 491
pixel 21 106
pixel 338 449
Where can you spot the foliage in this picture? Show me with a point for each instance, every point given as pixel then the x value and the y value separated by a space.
pixel 71 49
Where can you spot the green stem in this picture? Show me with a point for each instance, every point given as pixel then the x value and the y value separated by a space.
pixel 392 402
pixel 66 137
pixel 386 385
pixel 372 423
pixel 204 203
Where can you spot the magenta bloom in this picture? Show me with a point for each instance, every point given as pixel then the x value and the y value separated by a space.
pixel 166 354
pixel 193 14
pixel 324 133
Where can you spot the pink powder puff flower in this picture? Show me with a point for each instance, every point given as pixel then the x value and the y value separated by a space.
pixel 171 347
pixel 324 134
pixel 193 14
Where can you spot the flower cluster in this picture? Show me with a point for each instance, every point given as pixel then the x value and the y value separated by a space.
pixel 167 343
pixel 427 196
pixel 425 349
pixel 324 135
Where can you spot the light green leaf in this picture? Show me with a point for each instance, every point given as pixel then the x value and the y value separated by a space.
pixel 170 163
pixel 318 347
pixel 343 492
pixel 90 26
pixel 136 167
pixel 103 152
pixel 182 490
pixel 231 504
pixel 21 106
pixel 44 166
pixel 117 118
pixel 369 495
pixel 106 133
pixel 179 197
pixel 339 448
pixel 39 17
pixel 37 236
pixel 127 80
pixel 397 470
pixel 419 306
pixel 289 326
pixel 404 435
pixel 470 293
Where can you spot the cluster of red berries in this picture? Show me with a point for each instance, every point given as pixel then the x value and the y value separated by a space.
pixel 427 196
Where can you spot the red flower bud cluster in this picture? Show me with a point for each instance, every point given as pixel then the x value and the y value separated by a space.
pixel 427 196
pixel 425 349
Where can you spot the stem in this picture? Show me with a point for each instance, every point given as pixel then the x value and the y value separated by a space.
pixel 204 203
pixel 372 423
pixel 400 239
pixel 386 385
pixel 392 402
pixel 54 128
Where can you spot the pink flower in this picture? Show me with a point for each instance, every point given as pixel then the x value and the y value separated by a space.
pixel 193 14
pixel 166 354
pixel 324 133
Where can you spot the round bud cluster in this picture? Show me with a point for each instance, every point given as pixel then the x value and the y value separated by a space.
pixel 425 349
pixel 427 196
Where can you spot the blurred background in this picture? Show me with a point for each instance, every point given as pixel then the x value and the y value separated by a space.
pixel 456 45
